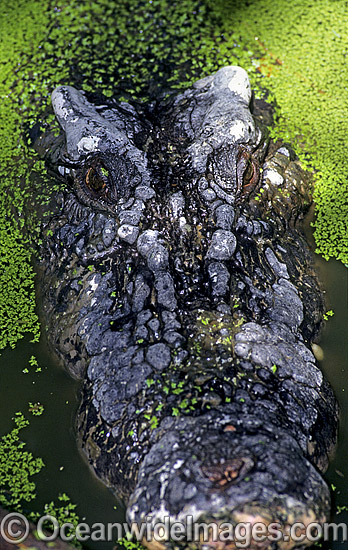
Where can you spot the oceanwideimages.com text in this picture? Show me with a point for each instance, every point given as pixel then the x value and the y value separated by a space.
pixel 14 528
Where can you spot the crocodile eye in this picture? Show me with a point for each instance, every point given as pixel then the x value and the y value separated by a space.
pixel 95 182
pixel 247 172
pixel 96 179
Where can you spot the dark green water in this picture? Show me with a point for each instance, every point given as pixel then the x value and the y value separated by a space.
pixel 51 435
pixel 335 366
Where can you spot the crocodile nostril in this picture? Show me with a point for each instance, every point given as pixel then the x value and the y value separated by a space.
pixel 224 474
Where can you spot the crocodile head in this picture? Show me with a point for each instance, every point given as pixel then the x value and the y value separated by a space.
pixel 179 287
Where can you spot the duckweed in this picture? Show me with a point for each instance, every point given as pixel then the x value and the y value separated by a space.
pixel 17 466
pixel 299 50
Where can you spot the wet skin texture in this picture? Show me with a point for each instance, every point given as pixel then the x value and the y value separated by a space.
pixel 178 286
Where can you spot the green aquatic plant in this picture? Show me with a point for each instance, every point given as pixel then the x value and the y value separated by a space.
pixel 36 409
pixel 129 544
pixel 299 50
pixel 64 511
pixel 17 466
pixel 328 314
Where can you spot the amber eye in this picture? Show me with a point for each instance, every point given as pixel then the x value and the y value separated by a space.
pixel 96 179
pixel 248 173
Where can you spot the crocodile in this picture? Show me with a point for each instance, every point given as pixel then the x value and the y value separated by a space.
pixel 178 286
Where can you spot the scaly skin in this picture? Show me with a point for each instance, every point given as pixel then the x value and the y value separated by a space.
pixel 178 286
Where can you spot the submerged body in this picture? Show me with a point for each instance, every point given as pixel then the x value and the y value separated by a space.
pixel 178 286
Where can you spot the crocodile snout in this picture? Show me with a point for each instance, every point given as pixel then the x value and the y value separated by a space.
pixel 218 489
pixel 253 528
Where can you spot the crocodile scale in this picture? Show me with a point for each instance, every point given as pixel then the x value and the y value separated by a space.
pixel 179 288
